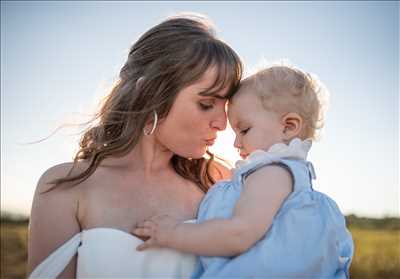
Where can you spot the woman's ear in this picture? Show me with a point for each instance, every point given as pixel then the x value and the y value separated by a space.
pixel 292 125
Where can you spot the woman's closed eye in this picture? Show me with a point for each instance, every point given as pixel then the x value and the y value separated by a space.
pixel 206 106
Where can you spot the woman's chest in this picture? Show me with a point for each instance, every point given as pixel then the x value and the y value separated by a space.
pixel 122 207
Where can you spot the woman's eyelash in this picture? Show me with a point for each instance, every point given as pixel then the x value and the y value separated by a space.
pixel 243 132
pixel 205 107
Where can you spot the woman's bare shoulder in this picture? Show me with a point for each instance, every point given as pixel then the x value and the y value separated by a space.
pixel 53 218
pixel 59 171
pixel 50 197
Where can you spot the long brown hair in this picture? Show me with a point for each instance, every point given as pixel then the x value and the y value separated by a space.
pixel 165 59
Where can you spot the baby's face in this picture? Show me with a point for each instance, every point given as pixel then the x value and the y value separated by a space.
pixel 254 126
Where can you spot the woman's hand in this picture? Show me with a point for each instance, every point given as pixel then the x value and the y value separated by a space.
pixel 158 231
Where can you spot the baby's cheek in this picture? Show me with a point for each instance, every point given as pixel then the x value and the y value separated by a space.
pixel 250 144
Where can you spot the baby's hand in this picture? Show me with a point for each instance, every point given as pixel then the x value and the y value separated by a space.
pixel 158 230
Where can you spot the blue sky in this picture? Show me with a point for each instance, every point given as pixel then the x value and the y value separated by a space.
pixel 59 58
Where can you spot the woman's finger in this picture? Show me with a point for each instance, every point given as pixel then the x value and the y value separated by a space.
pixel 143 231
pixel 145 245
pixel 144 222
pixel 158 217
pixel 148 224
pixel 139 224
pixel 141 247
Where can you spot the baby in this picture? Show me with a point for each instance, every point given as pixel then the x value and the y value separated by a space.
pixel 267 221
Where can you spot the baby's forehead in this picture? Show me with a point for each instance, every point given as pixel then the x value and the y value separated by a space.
pixel 233 120
pixel 245 87
pixel 231 110
pixel 243 97
pixel 237 119
pixel 235 110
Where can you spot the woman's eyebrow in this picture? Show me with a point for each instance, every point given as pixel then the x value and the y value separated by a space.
pixel 204 94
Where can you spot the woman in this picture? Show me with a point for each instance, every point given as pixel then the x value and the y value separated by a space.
pixel 145 154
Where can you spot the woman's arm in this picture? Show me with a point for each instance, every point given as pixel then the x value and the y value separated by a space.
pixel 53 220
pixel 262 195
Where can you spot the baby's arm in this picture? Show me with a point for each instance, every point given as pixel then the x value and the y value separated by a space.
pixel 215 237
pixel 262 196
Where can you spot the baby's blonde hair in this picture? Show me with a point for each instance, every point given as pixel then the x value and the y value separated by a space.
pixel 285 88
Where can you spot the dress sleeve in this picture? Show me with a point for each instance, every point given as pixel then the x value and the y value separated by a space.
pixel 57 261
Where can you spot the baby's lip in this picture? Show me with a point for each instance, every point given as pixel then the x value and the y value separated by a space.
pixel 210 141
pixel 243 155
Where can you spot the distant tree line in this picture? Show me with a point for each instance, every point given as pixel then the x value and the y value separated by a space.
pixel 387 223
pixel 13 218
pixel 353 221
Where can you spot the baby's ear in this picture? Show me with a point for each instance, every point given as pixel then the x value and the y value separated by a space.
pixel 293 124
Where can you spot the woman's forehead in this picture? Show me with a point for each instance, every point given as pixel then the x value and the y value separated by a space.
pixel 215 81
pixel 209 76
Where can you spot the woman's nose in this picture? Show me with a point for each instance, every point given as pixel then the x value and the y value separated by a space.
pixel 220 121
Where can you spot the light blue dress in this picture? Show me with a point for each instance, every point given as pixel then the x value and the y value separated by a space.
pixel 308 237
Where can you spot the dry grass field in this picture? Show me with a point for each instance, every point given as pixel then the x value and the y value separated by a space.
pixel 13 250
pixel 377 249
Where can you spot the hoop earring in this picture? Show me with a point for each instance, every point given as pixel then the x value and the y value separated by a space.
pixel 154 125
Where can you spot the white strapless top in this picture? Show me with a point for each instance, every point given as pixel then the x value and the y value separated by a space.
pixel 108 252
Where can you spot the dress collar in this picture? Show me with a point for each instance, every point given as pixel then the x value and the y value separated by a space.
pixel 296 149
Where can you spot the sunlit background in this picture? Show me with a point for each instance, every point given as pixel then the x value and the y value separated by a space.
pixel 59 58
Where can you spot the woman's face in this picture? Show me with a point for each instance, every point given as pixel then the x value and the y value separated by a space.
pixel 194 120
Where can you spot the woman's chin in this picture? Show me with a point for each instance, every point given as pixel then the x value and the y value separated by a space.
pixel 197 154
